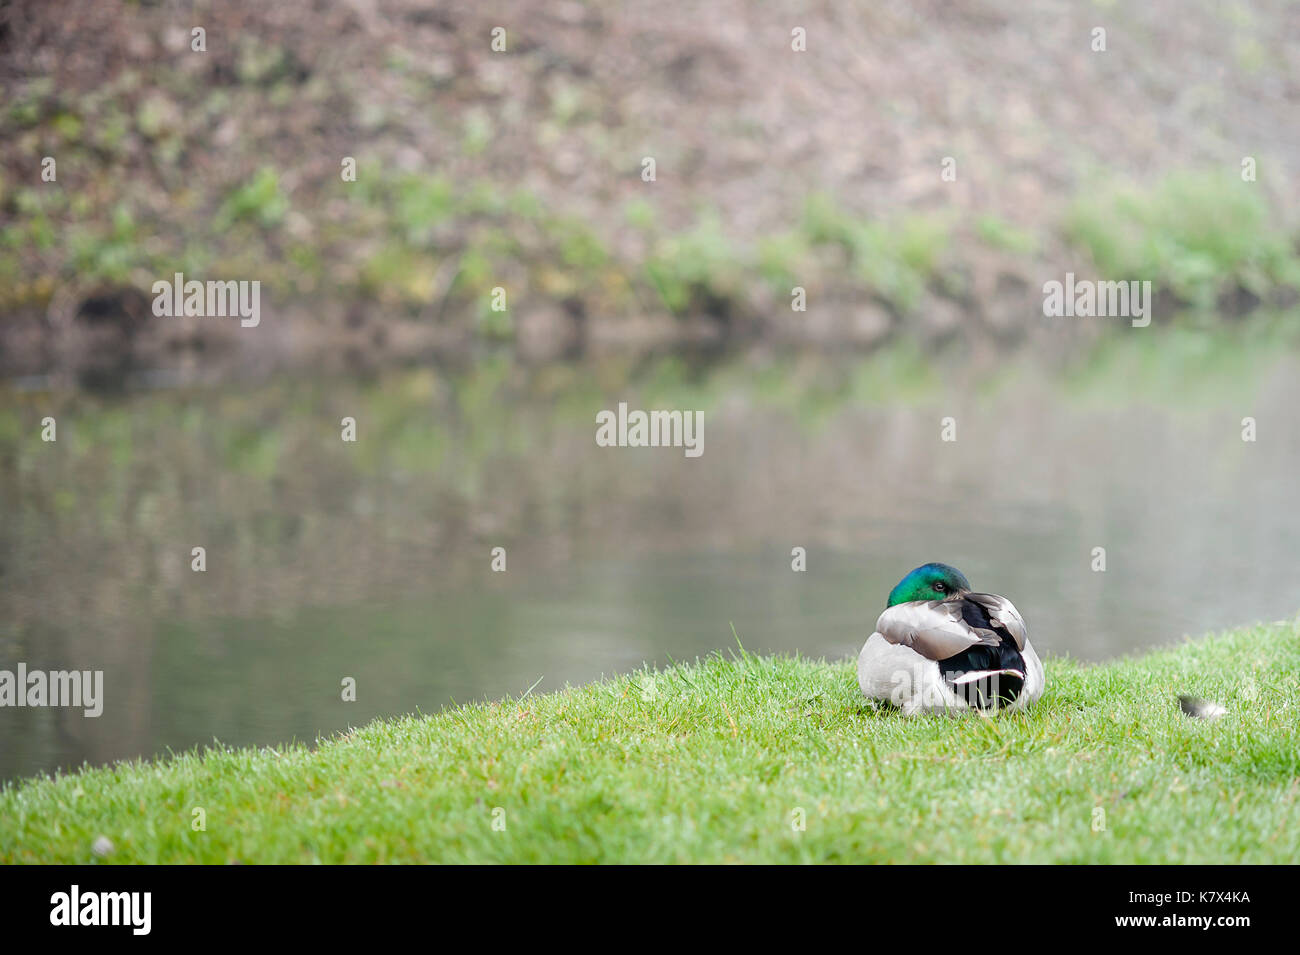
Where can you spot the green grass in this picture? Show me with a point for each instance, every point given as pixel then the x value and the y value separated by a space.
pixel 712 762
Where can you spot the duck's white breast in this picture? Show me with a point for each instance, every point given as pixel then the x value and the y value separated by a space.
pixel 899 675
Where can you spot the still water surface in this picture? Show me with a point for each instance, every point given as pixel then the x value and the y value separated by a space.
pixel 372 560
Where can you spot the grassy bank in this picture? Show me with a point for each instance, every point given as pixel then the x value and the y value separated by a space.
pixel 716 762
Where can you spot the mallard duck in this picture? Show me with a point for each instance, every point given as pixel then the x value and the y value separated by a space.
pixel 940 648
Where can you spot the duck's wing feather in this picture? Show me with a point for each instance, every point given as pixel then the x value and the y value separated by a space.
pixel 934 628
pixel 1003 613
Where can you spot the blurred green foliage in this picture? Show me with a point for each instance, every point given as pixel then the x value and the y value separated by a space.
pixel 696 268
pixel 1194 233
pixel 419 239
pixel 259 200
pixel 1001 234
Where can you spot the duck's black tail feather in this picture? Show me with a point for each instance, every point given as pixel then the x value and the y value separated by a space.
pixel 986 677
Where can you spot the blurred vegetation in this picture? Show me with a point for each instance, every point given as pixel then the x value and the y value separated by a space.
pixel 519 170
pixel 1200 235
pixel 429 241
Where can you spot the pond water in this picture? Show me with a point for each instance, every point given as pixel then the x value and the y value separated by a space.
pixel 372 560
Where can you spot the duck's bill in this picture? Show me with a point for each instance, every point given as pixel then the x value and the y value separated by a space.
pixel 974 675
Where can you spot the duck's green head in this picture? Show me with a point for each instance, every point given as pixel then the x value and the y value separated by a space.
pixel 929 582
